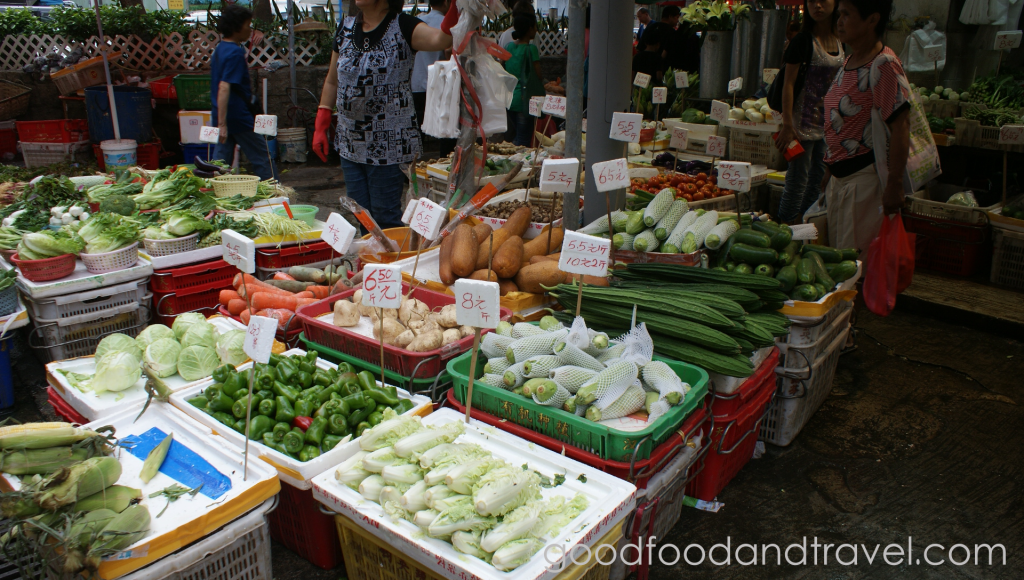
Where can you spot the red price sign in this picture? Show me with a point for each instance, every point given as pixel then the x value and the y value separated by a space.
pixel 734 175
pixel 1011 134
pixel 680 138
pixel 536 103
pixel 735 84
pixel 259 338
pixel 426 220
pixel 238 250
pixel 769 74
pixel 559 175
pixel 583 254
pixel 382 286
pixel 477 303
pixel 719 111
pixel 265 125
pixel 338 233
pixel 1007 39
pixel 611 175
pixel 716 146
pixel 554 105
pixel 626 127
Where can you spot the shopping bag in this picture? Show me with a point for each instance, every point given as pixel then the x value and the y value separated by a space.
pixel 922 161
pixel 890 266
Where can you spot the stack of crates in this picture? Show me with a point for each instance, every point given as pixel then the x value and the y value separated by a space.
pixel 54 141
pixel 189 288
pixel 193 93
pixel 951 239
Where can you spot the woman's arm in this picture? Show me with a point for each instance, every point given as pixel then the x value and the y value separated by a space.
pixel 329 94
pixel 430 39
pixel 788 132
pixel 899 149
pixel 223 96
pixel 536 69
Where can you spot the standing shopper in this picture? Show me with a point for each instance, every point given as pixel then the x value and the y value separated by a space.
pixel 433 19
pixel 232 105
pixel 369 81
pixel 643 16
pixel 812 59
pixel 525 66
pixel 871 79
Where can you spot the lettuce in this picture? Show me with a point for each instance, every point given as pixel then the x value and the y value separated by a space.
pixel 184 223
pixel 48 244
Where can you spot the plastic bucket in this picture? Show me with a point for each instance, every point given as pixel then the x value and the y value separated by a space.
pixel 134 113
pixel 303 213
pixel 291 145
pixel 119 154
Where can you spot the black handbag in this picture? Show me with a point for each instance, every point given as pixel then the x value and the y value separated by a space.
pixel 774 93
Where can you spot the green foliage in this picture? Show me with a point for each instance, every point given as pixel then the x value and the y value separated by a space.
pixel 21 21
pixel 78 24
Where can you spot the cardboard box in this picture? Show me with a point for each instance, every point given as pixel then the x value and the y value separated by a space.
pixel 190 122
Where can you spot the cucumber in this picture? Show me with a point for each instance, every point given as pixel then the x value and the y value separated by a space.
pixel 820 273
pixel 743 269
pixel 719 269
pixel 822 290
pixel 827 254
pixel 732 366
pixel 742 252
pixel 768 228
pixel 805 293
pixel 635 223
pixel 782 238
pixel 849 254
pixel 844 270
pixel 829 268
pixel 753 238
pixel 764 270
pixel 730 266
pixel 772 295
pixel 805 271
pixel 784 259
pixel 723 253
pixel 787 275
pixel 773 306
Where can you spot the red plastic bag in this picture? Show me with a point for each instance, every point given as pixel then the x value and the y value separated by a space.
pixel 890 266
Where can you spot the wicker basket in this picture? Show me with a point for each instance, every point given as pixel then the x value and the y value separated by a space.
pixel 47 269
pixel 111 261
pixel 232 185
pixel 8 254
pixel 14 100
pixel 8 300
pixel 167 247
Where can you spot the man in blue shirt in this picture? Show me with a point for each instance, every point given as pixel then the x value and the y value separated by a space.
pixel 231 94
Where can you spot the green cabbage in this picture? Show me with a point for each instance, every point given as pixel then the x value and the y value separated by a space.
pixel 162 357
pixel 183 321
pixel 116 372
pixel 183 223
pixel 197 362
pixel 153 333
pixel 48 244
pixel 200 334
pixel 118 343
pixel 229 347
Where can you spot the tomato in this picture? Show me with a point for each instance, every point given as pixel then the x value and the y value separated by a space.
pixel 698 196
pixel 687 197
pixel 690 188
pixel 713 179
pixel 701 184
pixel 702 176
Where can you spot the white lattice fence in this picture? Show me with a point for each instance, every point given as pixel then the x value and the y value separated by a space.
pixel 548 43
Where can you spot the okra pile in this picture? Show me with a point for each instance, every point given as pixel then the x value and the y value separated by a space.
pixel 299 409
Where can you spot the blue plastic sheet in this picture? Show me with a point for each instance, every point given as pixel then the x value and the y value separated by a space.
pixel 182 464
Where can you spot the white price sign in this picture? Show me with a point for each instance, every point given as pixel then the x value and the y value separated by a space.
pixel 584 124
pixel 1011 134
pixel 682 80
pixel 239 251
pixel 554 105
pixel 735 84
pixel 769 75
pixel 410 210
pixel 626 127
pixel 734 175
pixel 477 303
pixel 659 95
pixel 559 175
pixel 611 175
pixel 719 111
pixel 338 233
pixel 265 125
pixel 583 254
pixel 259 338
pixel 642 80
pixel 680 138
pixel 536 103
pixel 1007 39
pixel 934 53
pixel 427 219
pixel 716 146
pixel 209 134
pixel 382 286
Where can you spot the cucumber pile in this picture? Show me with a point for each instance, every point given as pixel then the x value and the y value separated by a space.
pixel 816 271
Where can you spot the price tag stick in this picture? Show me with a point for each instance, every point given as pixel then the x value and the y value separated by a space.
pixel 675 166
pixel 248 415
pixel 551 220
pixel 490 255
pixel 936 63
pixel 415 263
pixel 381 314
pixel 1004 175
pixel 998 62
pixel 472 366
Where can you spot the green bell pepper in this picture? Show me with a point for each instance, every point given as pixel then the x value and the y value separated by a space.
pixel 363 426
pixel 239 408
pixel 285 373
pixel 264 376
pixel 381 397
pixel 315 434
pixel 303 379
pixel 259 425
pixel 337 424
pixel 345 368
pixel 236 382
pixel 280 430
pixel 329 408
pixel 268 440
pixel 366 380
pixel 322 378
pixel 221 373
pixel 309 452
pixel 312 356
pixel 200 401
pixel 349 388
pixel 225 418
pixel 275 359
pixel 325 395
pixel 293 440
pixel 375 418
pixel 404 406
pixel 311 394
pixel 305 367
pixel 304 408
pixel 283 390
pixel 268 407
pixel 265 394
pixel 285 411
pixel 357 401
pixel 219 402
pixel 359 415
pixel 213 390
pixel 330 442
pixel 240 425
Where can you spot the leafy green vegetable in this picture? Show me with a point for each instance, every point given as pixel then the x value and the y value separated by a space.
pixel 115 372
pixel 121 235
pixel 118 342
pixel 48 244
pixel 184 321
pixel 153 333
pixel 184 223
pixel 229 347
pixel 201 334
pixel 196 362
pixel 162 356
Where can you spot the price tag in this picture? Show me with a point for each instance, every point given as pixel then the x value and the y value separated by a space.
pixel 735 84
pixel 682 79
pixel 209 134
pixel 716 146
pixel 409 211
pixel 642 80
pixel 583 254
pixel 535 105
pixel 338 233
pixel 477 303
pixel 769 75
pixel 259 338
pixel 934 53
pixel 584 124
pixel 734 175
pixel 554 105
pixel 427 219
pixel 1007 39
pixel 1011 134
pixel 265 125
pixel 611 175
pixel 626 127
pixel 382 286
pixel 680 138
pixel 239 251
pixel 559 175
pixel 719 111
pixel 659 95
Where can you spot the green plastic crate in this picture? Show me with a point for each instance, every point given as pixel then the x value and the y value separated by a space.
pixel 417 386
pixel 603 441
pixel 193 92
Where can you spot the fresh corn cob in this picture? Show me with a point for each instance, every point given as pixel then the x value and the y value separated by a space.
pixel 551 394
pixel 80 480
pixel 494 345
pixel 700 229
pixel 155 459
pixel 659 206
pixel 40 461
pixel 513 376
pixel 675 239
pixel 81 536
pixel 540 366
pixel 571 355
pixel 675 213
pixel 631 401
pixel 504 328
pixel 646 241
pixel 42 435
pixel 115 497
pixel 497 365
pixel 623 241
pixel 524 329
pixel 611 380
pixel 720 233
pixel 531 346
pixel 124 530
pixel 572 377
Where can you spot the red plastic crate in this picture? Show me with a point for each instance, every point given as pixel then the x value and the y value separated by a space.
pixel 54 131
pixel 167 307
pixel 299 524
pixel 163 88
pixel 193 278
pixel 8 143
pixel 416 365
pixel 289 335
pixel 636 473
pixel 147 155
pixel 730 404
pixel 275 258
pixel 62 408
pixel 946 246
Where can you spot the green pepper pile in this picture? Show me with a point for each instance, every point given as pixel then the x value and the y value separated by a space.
pixel 299 409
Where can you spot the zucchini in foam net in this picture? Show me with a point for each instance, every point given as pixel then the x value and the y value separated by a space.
pixel 675 238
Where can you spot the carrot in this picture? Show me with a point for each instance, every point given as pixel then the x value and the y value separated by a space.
pixel 226 296
pixel 236 306
pixel 282 276
pixel 261 300
pixel 252 285
pixel 244 316
pixel 320 292
pixel 283 316
pixel 305 301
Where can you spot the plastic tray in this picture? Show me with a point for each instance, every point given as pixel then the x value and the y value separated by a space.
pixel 195 278
pixel 183 258
pixel 275 258
pixel 998 220
pixel 299 524
pixel 1007 257
pixel 945 246
pixel 292 471
pixel 804 331
pixel 534 228
pixel 399 360
pixel 94 407
pixel 919 205
pixel 81 280
pixel 84 303
pixel 726 385
pixel 796 356
pixel 62 409
pixel 289 335
pixel 610 501
pixel 754 146
pixel 66 338
pixel 624 439
pixel 55 131
pixel 43 154
pixel 167 307
pixel 764 373
pixel 801 392
pixel 263 274
pixel 812 311
pixel 193 91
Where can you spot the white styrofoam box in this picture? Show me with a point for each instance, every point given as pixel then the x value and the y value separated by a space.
pixel 697 132
pixel 725 385
pixel 643 172
pixel 515 195
pixel 190 123
pixel 292 471
pixel 94 407
pixel 440 171
pixel 80 280
pixel 610 501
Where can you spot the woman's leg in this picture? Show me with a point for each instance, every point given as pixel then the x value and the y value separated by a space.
pixel 356 183
pixel 386 183
pixel 796 184
pixel 524 129
pixel 256 149
pixel 815 175
pixel 511 122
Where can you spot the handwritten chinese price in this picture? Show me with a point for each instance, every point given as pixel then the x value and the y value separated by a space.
pixel 769 74
pixel 719 111
pixel 554 105
pixel 734 175
pixel 427 219
pixel 682 80
pixel 642 80
pixel 477 303
pixel 934 53
pixel 680 138
pixel 535 105
pixel 1011 134
pixel 611 175
pixel 659 95
pixel 266 125
pixel 259 338
pixel 1007 39
pixel 239 251
pixel 626 127
pixel 735 84
pixel 338 233
pixel 410 210
pixel 583 254
pixel 559 175
pixel 209 134
pixel 716 146
pixel 382 286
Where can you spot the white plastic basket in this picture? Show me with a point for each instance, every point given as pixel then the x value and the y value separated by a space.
pixel 76 336
pixel 79 303
pixel 111 261
pixel 42 154
pixel 168 247
pixel 803 355
pixel 805 331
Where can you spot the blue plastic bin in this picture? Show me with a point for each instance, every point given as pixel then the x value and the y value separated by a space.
pixel 134 113
pixel 190 150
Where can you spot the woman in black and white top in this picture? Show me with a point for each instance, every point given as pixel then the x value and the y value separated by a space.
pixel 371 88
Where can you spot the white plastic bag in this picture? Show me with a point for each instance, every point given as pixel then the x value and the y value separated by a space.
pixel 919 44
pixel 494 87
pixel 444 88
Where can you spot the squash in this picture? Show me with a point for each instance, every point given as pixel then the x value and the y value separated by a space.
pixel 519 221
pixel 534 276
pixel 444 268
pixel 539 246
pixel 509 258
pixel 482 275
pixel 481 232
pixel 464 250
pixel 483 254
